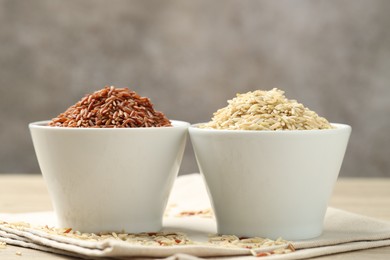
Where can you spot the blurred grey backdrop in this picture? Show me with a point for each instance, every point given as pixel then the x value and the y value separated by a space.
pixel 190 57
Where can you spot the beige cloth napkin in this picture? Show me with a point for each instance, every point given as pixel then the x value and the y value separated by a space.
pixel 343 232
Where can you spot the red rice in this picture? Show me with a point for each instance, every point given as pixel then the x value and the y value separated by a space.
pixel 111 107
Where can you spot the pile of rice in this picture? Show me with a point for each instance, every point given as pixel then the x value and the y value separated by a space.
pixel 266 110
pixel 111 107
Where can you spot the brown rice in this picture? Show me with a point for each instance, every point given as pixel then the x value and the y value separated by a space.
pixel 266 110
pixel 111 107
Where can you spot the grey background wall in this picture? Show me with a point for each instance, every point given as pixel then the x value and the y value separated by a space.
pixel 189 57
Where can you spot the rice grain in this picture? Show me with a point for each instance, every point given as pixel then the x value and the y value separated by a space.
pixel 111 107
pixel 266 110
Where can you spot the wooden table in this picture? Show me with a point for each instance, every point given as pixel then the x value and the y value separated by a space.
pixel 27 193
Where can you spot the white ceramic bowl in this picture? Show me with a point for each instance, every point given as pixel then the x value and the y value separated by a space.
pixel 270 183
pixel 109 179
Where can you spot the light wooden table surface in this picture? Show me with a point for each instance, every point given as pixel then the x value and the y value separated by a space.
pixel 370 197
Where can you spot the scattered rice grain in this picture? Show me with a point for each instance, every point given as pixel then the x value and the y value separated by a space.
pixel 3 245
pixel 257 245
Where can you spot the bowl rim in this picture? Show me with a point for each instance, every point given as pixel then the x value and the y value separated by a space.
pixel 338 127
pixel 43 125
